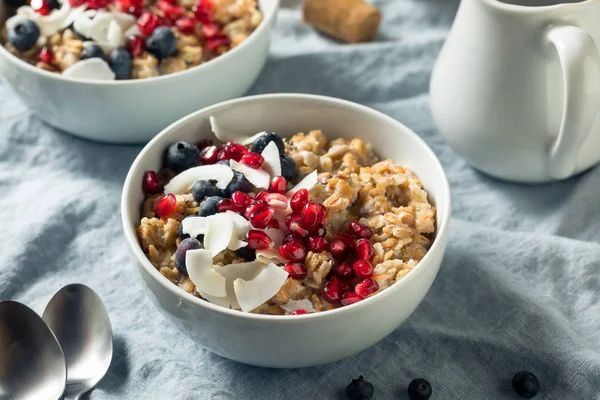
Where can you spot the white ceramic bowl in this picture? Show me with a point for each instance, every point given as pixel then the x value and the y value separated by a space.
pixel 133 111
pixel 305 340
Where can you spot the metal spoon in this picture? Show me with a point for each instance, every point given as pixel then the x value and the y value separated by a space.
pixel 80 322
pixel 32 365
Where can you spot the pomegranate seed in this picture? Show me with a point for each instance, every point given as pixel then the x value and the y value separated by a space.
pixel 147 22
pixel 40 6
pixel 296 270
pixel 97 4
pixel 288 238
pixel 316 244
pixel 344 270
pixel 337 248
pixel 293 251
pixel 125 4
pixel 299 200
pixel 350 298
pixel 215 42
pixel 150 183
pixel 299 312
pixel 260 219
pixel 332 292
pixel 262 196
pixel 359 230
pixel 253 160
pixel 136 11
pixel 241 199
pixel 136 45
pixel 232 151
pixel 165 206
pixel 320 231
pixel 277 201
pixel 255 206
pixel 364 249
pixel 202 11
pixel 210 30
pixel 186 25
pixel 258 240
pixel 204 143
pixel 278 185
pixel 77 3
pixel 347 239
pixel 294 224
pixel 209 155
pixel 363 269
pixel 46 55
pixel 366 287
pixel 172 11
pixel 273 224
pixel 225 205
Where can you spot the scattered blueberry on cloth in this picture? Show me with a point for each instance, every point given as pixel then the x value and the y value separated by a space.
pixel 519 288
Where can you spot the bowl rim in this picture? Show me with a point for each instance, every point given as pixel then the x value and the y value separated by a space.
pixel 268 16
pixel 133 243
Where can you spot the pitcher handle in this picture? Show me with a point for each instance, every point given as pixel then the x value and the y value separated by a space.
pixel 580 64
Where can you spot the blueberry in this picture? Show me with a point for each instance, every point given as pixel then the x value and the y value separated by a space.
pixel 359 389
pixel 24 34
pixel 419 389
pixel 119 61
pixel 224 162
pixel 184 246
pixel 246 253
pixel 259 144
pixel 202 189
pixel 181 156
pixel 161 42
pixel 239 182
pixel 185 235
pixel 288 168
pixel 91 50
pixel 525 384
pixel 209 207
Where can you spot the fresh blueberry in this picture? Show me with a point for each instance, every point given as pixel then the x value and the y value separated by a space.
pixel 183 236
pixel 209 207
pixel 288 168
pixel 161 42
pixel 259 144
pixel 525 384
pixel 119 61
pixel 203 189
pixel 91 50
pixel 181 156
pixel 239 182
pixel 24 34
pixel 359 389
pixel 184 246
pixel 225 162
pixel 419 389
pixel 246 253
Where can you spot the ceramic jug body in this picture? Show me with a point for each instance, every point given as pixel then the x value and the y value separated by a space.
pixel 516 88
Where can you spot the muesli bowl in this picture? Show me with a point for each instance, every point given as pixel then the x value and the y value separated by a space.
pixel 134 110
pixel 291 341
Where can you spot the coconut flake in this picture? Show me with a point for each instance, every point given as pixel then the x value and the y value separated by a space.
pixel 229 136
pixel 133 31
pixel 272 163
pixel 219 232
pixel 266 256
pixel 253 293
pixel 194 226
pixel 202 273
pixel 246 271
pixel 308 182
pixel 222 230
pixel 48 24
pixel 184 181
pixel 295 305
pixel 276 236
pixel 257 177
pixel 92 68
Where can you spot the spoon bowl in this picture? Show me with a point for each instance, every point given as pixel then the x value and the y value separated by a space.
pixel 32 365
pixel 80 322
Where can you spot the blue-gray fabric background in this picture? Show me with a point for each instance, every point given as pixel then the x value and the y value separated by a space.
pixel 519 287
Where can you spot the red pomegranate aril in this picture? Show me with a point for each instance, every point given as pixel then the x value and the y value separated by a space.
pixel 165 206
pixel 136 45
pixel 147 22
pixel 125 4
pixel 299 200
pixel 186 25
pixel 349 298
pixel 299 312
pixel 215 42
pixel 209 155
pixel 364 249
pixel 255 206
pixel 261 218
pixel 151 183
pixel 210 30
pixel 232 151
pixel 344 270
pixel 40 6
pixel 338 249
pixel 296 270
pixel 97 4
pixel 366 287
pixel 136 11
pixel 332 292
pixel 359 230
pixel 294 224
pixel 262 196
pixel 46 55
pixel 320 231
pixel 202 11
pixel 288 238
pixel 258 240
pixel 204 143
pixel 293 251
pixel 273 224
pixel 277 201
pixel 313 214
pixel 225 205
pixel 363 269
pixel 241 199
pixel 171 11
pixel 316 244
pixel 278 185
pixel 253 160
pixel 77 3
pixel 347 239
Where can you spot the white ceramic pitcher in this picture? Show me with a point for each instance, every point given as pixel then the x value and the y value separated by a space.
pixel 516 88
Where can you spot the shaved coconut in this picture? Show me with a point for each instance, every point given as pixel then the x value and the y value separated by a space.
pixel 83 23
pixel 124 20
pixel 74 13
pixel 295 305
pixel 219 301
pixel 251 294
pixel 272 163
pixel 48 24
pixel 235 244
pixel 257 177
pixel 92 68
pixel 202 273
pixel 114 36
pixel 228 136
pixel 185 180
pixel 133 31
pixel 240 223
pixel 276 236
pixel 222 230
pixel 246 271
pixel 307 182
pixel 194 226
pixel 219 232
pixel 266 256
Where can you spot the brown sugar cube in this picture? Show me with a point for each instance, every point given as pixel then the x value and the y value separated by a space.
pixel 352 21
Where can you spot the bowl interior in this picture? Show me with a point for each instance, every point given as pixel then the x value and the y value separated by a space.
pixel 288 115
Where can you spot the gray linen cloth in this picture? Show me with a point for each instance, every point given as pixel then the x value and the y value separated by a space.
pixel 519 287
